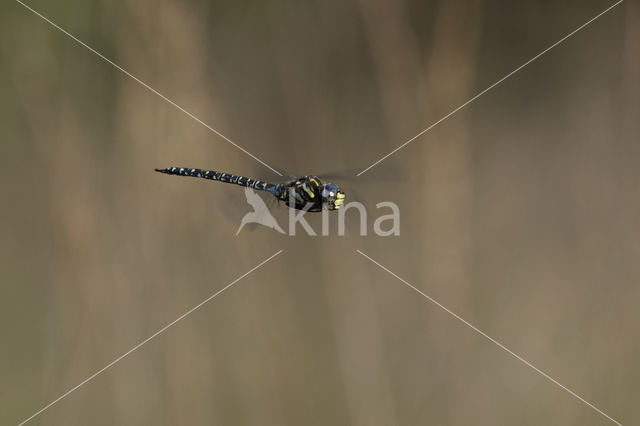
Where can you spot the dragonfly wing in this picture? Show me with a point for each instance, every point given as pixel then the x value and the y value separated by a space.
pixel 386 172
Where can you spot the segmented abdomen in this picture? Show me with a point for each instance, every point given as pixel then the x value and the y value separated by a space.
pixel 218 176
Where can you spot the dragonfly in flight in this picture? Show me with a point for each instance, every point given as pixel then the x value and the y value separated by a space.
pixel 307 193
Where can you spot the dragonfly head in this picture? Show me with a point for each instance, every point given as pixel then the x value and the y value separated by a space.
pixel 332 196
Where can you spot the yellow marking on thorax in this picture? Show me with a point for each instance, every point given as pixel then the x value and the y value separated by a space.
pixel 308 191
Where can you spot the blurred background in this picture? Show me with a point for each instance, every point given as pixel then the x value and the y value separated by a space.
pixel 520 213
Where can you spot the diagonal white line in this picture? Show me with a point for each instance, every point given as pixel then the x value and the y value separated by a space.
pixel 500 345
pixel 145 85
pixel 163 329
pixel 491 87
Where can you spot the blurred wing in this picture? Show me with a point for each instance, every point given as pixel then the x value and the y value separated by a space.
pixel 385 172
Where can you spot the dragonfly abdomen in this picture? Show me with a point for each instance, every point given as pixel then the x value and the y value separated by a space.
pixel 218 176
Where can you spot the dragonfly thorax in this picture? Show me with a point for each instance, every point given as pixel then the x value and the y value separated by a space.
pixel 311 194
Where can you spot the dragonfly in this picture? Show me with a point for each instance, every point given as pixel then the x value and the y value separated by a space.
pixel 306 193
